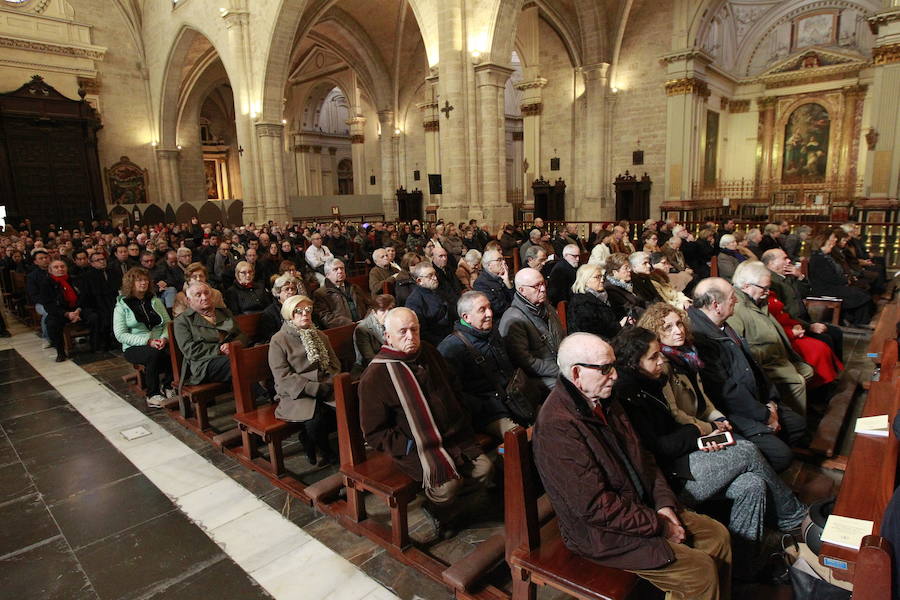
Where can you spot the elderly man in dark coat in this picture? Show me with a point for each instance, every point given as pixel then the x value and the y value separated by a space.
pixel 531 329
pixel 435 315
pixel 562 276
pixel 494 282
pixel 735 382
pixel 203 333
pixel 478 357
pixel 338 302
pixel 410 410
pixel 610 497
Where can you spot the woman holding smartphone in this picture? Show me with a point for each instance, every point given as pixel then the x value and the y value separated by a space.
pixel 696 469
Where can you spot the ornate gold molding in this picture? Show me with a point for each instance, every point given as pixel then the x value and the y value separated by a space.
pixel 738 106
pixel 858 90
pixel 532 110
pixel 316 149
pixel 687 54
pixel 93 52
pixel 766 102
pixel 886 55
pixel 687 85
pixel 434 125
pixel 723 103
pixel 882 18
pixel 357 138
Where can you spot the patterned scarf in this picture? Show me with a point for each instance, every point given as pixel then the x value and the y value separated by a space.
pixel 315 348
pixel 437 465
pixel 685 357
pixel 619 283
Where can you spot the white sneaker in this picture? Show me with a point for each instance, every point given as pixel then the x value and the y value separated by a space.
pixel 171 393
pixel 156 401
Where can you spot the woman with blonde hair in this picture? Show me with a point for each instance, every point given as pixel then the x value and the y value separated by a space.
pixel 140 325
pixel 589 309
pixel 195 272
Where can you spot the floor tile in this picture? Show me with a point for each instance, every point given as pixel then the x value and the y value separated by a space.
pixel 40 423
pixel 25 387
pixel 59 445
pixel 217 504
pixel 310 572
pixel 258 538
pixel 109 509
pixel 147 456
pixel 134 562
pixel 223 580
pixel 19 406
pixel 25 522
pixel 81 472
pixel 47 572
pixel 183 476
pixel 14 482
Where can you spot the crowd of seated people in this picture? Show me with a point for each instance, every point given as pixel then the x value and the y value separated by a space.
pixel 657 356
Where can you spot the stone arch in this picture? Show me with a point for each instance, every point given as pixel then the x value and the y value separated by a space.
pixel 210 213
pixel 185 213
pixel 170 214
pixel 153 214
pixel 235 214
pixel 316 96
pixel 503 33
pixel 563 29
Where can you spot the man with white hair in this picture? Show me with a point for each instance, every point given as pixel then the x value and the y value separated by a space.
pixel 338 302
pixel 381 272
pixel 768 342
pixel 435 316
pixel 495 283
pixel 735 382
pixel 531 329
pixel 534 239
pixel 449 286
pixel 610 497
pixel 410 409
pixel 203 333
pixel 562 275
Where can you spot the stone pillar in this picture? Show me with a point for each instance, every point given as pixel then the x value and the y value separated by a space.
pixel 269 139
pixel 532 107
pixel 358 153
pixel 315 171
pixel 388 175
pixel 490 81
pixel 516 179
pixel 431 123
pixel 301 159
pixel 883 135
pixel 237 23
pixel 333 180
pixel 169 176
pixel 685 116
pixel 593 202
pixel 847 164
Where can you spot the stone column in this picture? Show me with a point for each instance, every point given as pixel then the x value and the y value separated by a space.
pixel 301 159
pixel 593 202
pixel 269 139
pixel 332 153
pixel 237 23
pixel 847 164
pixel 169 176
pixel 532 107
pixel 315 171
pixel 431 123
pixel 516 179
pixel 883 136
pixel 358 153
pixel 490 81
pixel 685 116
pixel 388 175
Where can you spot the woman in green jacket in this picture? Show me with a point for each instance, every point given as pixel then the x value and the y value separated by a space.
pixel 139 324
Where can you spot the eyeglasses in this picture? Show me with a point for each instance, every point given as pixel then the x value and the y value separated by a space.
pixel 536 286
pixel 764 288
pixel 303 310
pixel 604 369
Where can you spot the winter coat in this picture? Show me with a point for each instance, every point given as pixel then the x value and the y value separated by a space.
pixel 298 380
pixel 199 340
pixel 588 313
pixel 497 292
pixel 532 342
pixel 246 300
pixel 435 319
pixel 332 308
pixel 131 332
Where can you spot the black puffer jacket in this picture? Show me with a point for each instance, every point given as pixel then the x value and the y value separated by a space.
pixel 242 300
pixel 588 313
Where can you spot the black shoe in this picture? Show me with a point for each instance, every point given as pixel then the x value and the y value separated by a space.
pixel 61 357
pixel 309 446
pixel 5 333
pixel 442 530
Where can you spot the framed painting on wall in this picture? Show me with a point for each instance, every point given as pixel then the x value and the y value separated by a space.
pixel 819 29
pixel 806 139
pixel 127 182
pixel 210 170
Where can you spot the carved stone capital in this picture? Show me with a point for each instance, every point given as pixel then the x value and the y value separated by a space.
pixel 883 18
pixel 316 149
pixel 536 83
pixel 235 18
pixel 518 136
pixel 424 106
pixel 687 85
pixel 385 117
pixel 886 55
pixel 738 106
pixel 332 151
pixel 168 153
pixel 301 148
pixel 490 74
pixel 431 126
pixel 357 120
pixel 269 129
pixel 859 90
pixel 532 110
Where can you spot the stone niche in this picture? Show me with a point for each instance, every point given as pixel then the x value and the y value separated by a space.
pixel 42 36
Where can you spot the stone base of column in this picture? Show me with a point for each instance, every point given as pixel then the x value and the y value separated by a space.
pixel 279 215
pixel 495 215
pixel 389 206
pixel 453 214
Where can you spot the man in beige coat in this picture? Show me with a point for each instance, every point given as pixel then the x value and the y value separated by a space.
pixel 338 302
pixel 765 336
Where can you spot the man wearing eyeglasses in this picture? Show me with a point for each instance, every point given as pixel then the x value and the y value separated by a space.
pixel 432 310
pixel 562 276
pixel 768 342
pixel 494 282
pixel 611 499
pixel 531 329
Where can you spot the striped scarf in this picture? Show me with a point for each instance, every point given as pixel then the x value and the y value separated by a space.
pixel 437 465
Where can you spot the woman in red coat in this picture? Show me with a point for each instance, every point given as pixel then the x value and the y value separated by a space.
pixel 816 353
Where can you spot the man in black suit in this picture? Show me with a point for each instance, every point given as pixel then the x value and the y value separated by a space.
pixel 99 290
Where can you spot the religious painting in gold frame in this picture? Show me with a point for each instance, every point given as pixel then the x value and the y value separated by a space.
pixel 806 144
pixel 816 29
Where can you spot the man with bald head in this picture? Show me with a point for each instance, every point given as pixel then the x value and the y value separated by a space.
pixel 410 409
pixel 611 499
pixel 735 382
pixel 531 329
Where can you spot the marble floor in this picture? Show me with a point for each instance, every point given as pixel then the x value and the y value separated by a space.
pixel 100 512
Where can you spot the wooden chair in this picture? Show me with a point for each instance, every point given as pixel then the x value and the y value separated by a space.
pixel 70 332
pixel 714 266
pixel 360 281
pixel 826 438
pixel 537 555
pixel 249 366
pixel 387 287
pixel 341 339
pixel 194 398
pixel 815 303
pixel 18 293
pixel 561 313
pixel 374 472
pixel 248 324
pixel 873 580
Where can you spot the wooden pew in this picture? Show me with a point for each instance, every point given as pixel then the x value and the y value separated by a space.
pixel 828 432
pixel 537 555
pixel 816 303
pixel 194 398
pixel 561 313
pixel 885 329
pixel 387 287
pixel 341 339
pixel 873 580
pixel 248 324
pixel 714 266
pixel 373 472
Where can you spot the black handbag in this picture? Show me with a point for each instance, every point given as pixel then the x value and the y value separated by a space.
pixel 520 395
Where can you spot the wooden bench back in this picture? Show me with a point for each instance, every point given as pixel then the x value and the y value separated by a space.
pixel 175 354
pixel 18 281
pixel 341 339
pixel 248 366
pixel 561 308
pixel 804 267
pixel 248 324
pixel 714 266
pixel 350 438
pixel 889 361
pixel 520 493
pixel 362 282
pixel 387 286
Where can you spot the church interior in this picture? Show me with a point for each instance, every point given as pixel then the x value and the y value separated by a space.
pixel 130 120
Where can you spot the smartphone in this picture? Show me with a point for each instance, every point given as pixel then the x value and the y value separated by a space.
pixel 723 438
